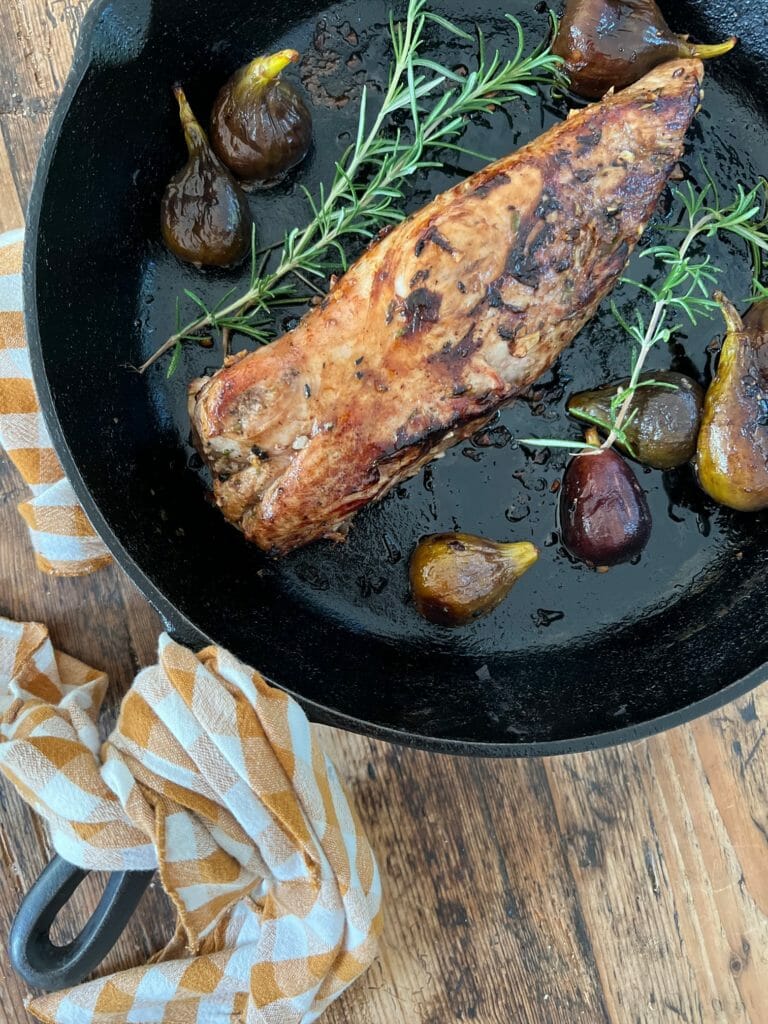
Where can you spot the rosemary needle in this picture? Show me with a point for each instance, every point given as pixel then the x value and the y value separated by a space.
pixel 366 192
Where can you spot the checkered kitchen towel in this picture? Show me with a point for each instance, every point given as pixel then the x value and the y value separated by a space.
pixel 65 543
pixel 214 777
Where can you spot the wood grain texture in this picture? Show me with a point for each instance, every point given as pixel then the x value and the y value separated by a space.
pixel 627 886
pixel 10 207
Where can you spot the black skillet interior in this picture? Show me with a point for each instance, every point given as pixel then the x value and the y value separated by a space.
pixel 572 655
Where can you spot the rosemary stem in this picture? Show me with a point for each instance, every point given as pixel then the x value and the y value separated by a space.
pixel 409 40
pixel 310 284
pixel 650 337
pixel 169 344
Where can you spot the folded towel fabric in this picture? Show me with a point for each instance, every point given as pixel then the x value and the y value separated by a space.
pixel 65 543
pixel 215 778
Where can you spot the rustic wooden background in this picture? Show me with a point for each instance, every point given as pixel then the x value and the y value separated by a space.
pixel 628 886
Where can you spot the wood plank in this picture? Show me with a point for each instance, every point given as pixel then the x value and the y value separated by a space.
pixel 37 40
pixel 464 893
pixel 22 135
pixel 673 887
pixel 11 215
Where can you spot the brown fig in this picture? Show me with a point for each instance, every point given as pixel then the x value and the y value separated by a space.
pixel 457 577
pixel 260 126
pixel 204 214
pixel 604 514
pixel 664 417
pixel 732 455
pixel 612 43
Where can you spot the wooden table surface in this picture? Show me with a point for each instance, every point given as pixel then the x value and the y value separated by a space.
pixel 626 886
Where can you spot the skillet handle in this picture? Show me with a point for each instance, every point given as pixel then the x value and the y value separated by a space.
pixel 42 964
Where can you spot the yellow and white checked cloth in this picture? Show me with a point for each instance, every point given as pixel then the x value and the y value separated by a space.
pixel 214 777
pixel 65 543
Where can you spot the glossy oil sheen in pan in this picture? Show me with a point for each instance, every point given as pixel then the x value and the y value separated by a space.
pixel 572 658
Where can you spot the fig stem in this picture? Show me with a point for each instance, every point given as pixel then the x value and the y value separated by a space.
pixel 259 73
pixel 522 554
pixel 592 437
pixel 707 51
pixel 265 69
pixel 193 133
pixel 733 321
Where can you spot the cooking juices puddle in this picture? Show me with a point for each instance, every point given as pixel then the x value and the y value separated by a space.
pixel 491 486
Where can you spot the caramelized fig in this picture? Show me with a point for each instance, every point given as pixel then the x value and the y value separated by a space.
pixel 756 319
pixel 613 43
pixel 604 514
pixel 665 420
pixel 732 455
pixel 260 126
pixel 457 577
pixel 204 214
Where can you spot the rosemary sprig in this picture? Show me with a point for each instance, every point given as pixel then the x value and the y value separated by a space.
pixel 686 286
pixel 367 190
pixel 684 290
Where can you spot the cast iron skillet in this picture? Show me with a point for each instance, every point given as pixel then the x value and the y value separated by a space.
pixel 572 660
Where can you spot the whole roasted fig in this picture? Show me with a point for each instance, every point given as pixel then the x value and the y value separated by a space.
pixel 204 214
pixel 732 455
pixel 457 577
pixel 260 126
pixel 664 420
pixel 613 43
pixel 604 514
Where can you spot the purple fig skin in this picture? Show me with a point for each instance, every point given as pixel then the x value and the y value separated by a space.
pixel 204 215
pixel 260 125
pixel 613 43
pixel 604 515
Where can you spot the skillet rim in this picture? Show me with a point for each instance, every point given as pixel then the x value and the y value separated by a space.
pixel 173 619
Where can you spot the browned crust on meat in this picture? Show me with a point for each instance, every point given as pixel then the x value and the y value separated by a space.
pixel 445 319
